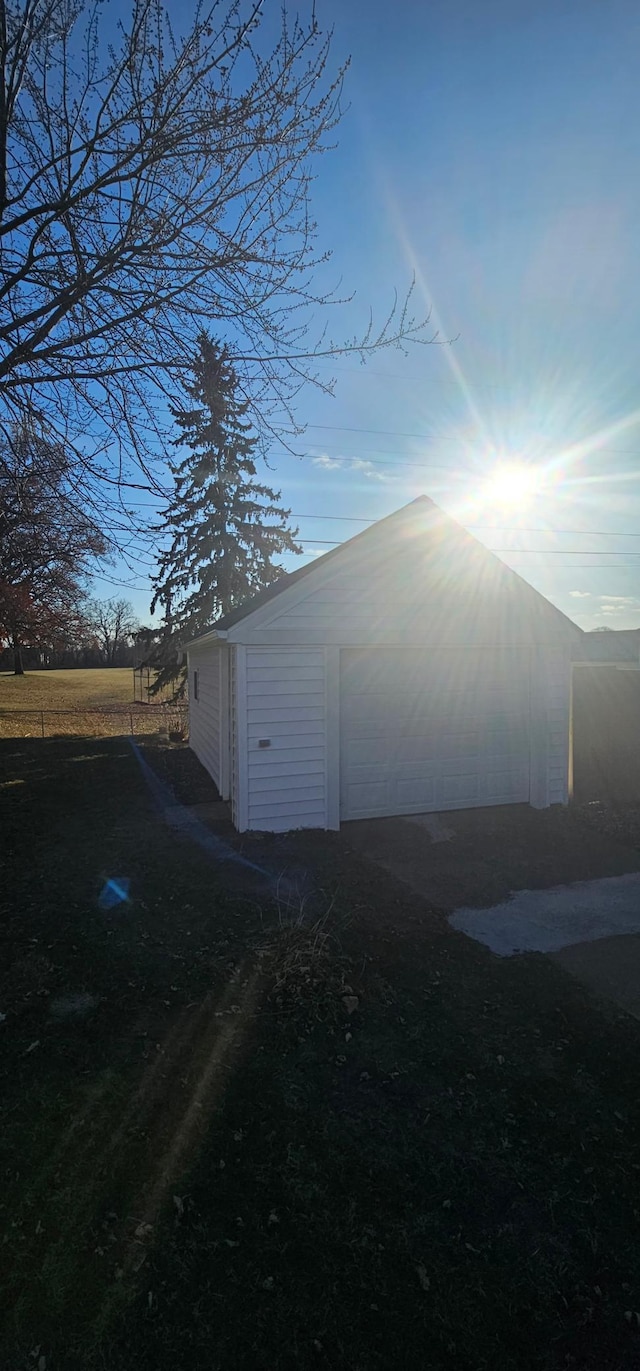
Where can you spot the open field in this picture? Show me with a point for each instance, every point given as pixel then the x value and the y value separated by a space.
pixel 234 1144
pixel 92 703
pixel 66 689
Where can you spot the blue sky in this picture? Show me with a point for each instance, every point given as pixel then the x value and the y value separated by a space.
pixel 494 150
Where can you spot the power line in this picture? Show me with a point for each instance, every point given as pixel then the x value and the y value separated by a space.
pixel 349 460
pixel 486 528
pixel 588 566
pixel 128 585
pixel 494 528
pixel 355 460
pixel 573 566
pixel 435 437
pixel 530 551
pixel 387 432
pixel 560 566
pixel 516 528
pixel 344 459
pixel 538 551
pixel 565 551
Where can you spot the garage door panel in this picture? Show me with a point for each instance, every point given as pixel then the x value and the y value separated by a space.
pixel 366 724
pixel 419 790
pixel 393 775
pixel 409 750
pixel 368 797
pixel 505 787
pixel 461 744
pixel 431 726
pixel 394 753
pixel 512 748
pixel 388 751
pixel 512 730
pixel 435 709
pixel 426 731
pixel 398 703
pixel 459 766
pixel 461 790
pixel 366 751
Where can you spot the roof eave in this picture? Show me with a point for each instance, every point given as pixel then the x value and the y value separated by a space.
pixel 212 635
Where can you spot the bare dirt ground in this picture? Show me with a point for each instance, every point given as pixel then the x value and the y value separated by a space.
pixel 241 1137
pixel 495 851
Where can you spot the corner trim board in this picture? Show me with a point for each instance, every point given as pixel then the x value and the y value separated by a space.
pixel 242 740
pixel 332 736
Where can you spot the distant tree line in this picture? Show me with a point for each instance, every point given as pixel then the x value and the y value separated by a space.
pixel 103 633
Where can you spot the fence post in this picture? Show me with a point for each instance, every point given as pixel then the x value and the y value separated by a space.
pixel 42 721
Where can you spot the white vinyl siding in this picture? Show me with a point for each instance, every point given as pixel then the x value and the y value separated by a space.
pixel 559 687
pixel 347 609
pixel 404 594
pixel 205 712
pixel 285 711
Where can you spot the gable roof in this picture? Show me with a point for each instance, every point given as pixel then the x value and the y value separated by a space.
pixel 291 577
pixel 399 519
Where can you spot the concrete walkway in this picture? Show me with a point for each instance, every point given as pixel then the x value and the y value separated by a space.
pixel 548 920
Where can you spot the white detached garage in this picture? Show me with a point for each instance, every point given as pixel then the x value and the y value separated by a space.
pixel 407 671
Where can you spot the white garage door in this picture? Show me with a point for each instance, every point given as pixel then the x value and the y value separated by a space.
pixel 432 730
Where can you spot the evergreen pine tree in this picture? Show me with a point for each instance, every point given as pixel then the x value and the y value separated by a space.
pixel 221 519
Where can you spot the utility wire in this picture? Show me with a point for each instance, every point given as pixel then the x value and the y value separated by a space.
pixel 486 528
pixel 350 460
pixel 431 437
pixel 493 528
pixel 531 551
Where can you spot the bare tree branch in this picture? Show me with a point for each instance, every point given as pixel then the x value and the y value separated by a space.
pixel 154 183
pixel 113 623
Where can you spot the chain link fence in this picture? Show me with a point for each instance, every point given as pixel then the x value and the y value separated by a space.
pixel 106 721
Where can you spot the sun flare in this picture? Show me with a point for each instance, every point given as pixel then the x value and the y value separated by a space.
pixel 512 485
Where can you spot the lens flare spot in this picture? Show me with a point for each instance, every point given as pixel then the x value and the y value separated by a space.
pixel 114 892
pixel 512 485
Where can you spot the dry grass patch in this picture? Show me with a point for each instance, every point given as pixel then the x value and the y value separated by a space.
pixel 66 689
pixel 78 703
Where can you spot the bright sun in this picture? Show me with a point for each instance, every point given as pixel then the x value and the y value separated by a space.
pixel 511 485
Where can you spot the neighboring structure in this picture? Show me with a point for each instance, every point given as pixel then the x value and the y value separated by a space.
pixel 606 717
pixel 618 647
pixel 408 670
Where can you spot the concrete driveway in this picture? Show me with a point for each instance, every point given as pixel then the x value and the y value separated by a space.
pixel 549 920
pixel 519 880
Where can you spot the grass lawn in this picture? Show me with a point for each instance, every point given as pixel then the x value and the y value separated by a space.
pixel 237 1146
pixel 76 689
pixel 98 702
